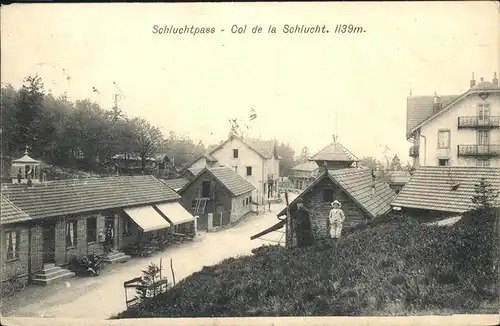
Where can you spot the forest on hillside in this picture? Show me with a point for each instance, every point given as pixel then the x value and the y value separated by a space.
pixel 84 135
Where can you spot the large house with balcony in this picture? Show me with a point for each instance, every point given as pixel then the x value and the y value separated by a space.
pixel 456 130
pixel 258 162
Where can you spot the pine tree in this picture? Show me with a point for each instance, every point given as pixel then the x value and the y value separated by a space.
pixel 484 196
pixel 149 285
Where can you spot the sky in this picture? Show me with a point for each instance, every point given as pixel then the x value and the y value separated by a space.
pixel 304 87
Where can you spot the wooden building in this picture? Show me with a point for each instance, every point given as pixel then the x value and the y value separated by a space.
pixel 217 195
pixel 363 198
pixel 45 224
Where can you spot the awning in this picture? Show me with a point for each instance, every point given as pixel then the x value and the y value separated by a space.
pixel 147 218
pixel 175 213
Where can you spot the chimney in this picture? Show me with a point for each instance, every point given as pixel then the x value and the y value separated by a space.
pixel 472 81
pixel 436 105
pixel 495 79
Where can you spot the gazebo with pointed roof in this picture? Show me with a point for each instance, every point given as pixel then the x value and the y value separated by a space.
pixel 25 168
pixel 334 156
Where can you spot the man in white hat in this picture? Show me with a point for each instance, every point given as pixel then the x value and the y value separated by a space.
pixel 336 218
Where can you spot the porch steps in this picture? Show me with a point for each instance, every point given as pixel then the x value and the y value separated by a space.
pixel 116 257
pixel 51 274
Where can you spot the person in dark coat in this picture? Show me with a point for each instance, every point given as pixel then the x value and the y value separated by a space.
pixel 303 232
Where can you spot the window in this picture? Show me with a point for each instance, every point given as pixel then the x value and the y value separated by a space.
pixel 243 205
pixel 249 170
pixel 246 200
pixel 483 162
pixel 443 162
pixel 265 188
pixel 483 111
pixel 235 153
pixel 127 226
pixel 12 244
pixel 328 195
pixel 91 229
pixel 483 137
pixel 249 200
pixel 71 234
pixel 235 169
pixel 205 189
pixel 444 139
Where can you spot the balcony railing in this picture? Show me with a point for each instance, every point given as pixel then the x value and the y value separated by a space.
pixel 414 151
pixel 478 150
pixel 478 122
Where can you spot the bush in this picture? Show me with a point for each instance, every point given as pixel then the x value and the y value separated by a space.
pixel 403 268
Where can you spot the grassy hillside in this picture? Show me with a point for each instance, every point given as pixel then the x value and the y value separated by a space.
pixel 397 267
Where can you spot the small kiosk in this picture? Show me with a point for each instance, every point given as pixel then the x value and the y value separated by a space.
pixel 25 169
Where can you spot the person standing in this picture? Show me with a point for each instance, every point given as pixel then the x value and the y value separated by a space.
pixel 336 218
pixel 303 232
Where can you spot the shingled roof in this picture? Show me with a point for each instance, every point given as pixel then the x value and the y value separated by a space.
pixel 335 151
pixel 419 108
pixel 10 213
pixel 431 188
pixel 63 197
pixel 357 184
pixel 227 177
pixel 176 184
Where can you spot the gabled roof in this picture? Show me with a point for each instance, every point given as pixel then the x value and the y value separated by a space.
pixel 266 149
pixel 357 184
pixel 10 213
pixel 309 166
pixel 430 188
pixel 420 109
pixel 227 177
pixel 334 151
pixel 66 197
pixel 175 184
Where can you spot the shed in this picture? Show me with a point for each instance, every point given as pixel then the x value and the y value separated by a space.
pixel 217 190
pixel 363 197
